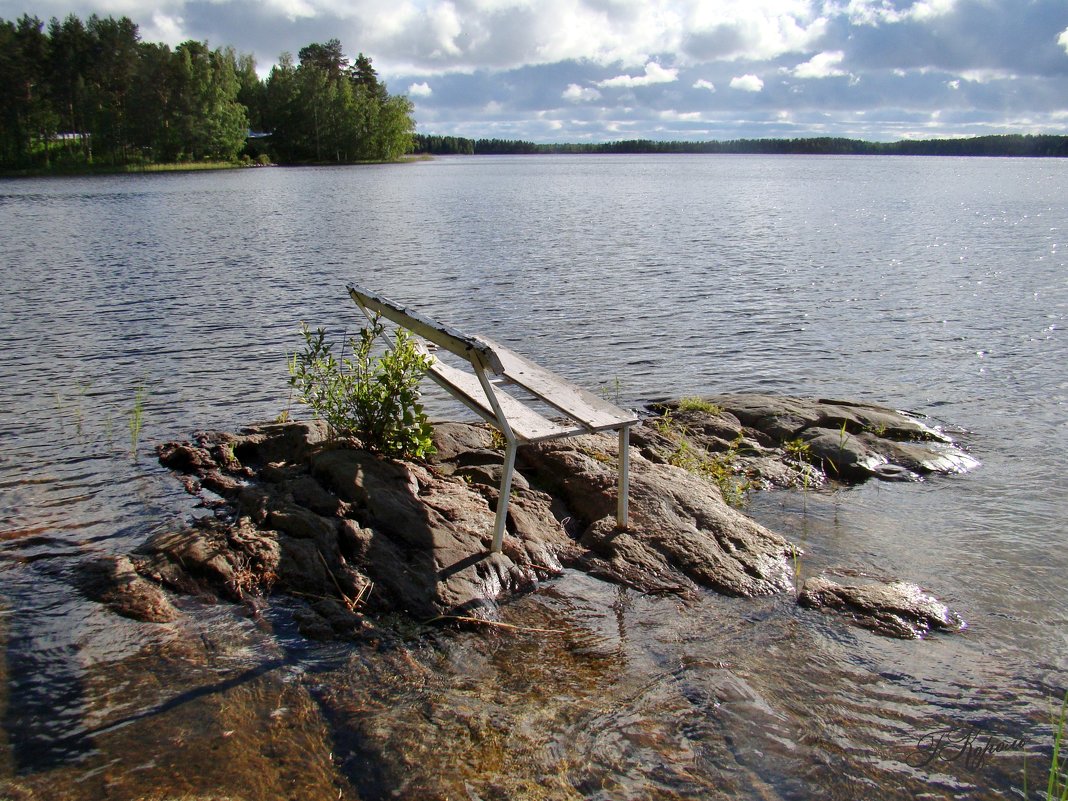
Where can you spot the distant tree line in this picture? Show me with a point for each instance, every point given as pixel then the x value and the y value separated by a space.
pixel 92 93
pixel 1010 145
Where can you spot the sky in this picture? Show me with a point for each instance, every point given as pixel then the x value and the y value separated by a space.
pixel 605 70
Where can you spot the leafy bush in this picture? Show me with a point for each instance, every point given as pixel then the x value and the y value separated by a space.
pixel 374 398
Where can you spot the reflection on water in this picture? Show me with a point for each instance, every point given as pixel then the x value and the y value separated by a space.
pixel 933 285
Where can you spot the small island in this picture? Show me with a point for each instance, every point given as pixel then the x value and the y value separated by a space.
pixel 351 534
pixel 102 100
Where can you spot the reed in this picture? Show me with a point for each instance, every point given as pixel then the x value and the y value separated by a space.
pixel 137 418
pixel 1057 783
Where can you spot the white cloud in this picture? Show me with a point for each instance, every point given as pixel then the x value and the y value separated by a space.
pixel 680 116
pixel 701 83
pixel 420 90
pixel 654 73
pixel 580 94
pixel 753 29
pixel 928 9
pixel 987 76
pixel 1062 40
pixel 164 28
pixel 821 65
pixel 747 83
pixel 880 12
pixel 446 26
pixel 953 84
pixel 293 9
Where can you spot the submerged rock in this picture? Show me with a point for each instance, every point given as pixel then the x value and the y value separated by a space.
pixel 896 609
pixel 114 582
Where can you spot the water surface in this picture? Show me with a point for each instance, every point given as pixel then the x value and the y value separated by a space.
pixel 935 285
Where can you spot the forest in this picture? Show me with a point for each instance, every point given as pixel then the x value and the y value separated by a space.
pixel 81 95
pixel 1004 145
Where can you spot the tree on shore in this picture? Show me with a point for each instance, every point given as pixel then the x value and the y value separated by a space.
pixel 324 109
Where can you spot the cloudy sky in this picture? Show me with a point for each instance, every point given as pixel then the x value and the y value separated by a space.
pixel 597 70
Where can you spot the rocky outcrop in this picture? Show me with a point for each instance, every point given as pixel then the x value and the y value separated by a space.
pixel 347 528
pixel 346 532
pixel 783 441
pixel 682 534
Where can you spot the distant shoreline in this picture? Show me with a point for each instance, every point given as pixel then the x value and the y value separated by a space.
pixel 69 171
pixel 428 145
pixel 1008 145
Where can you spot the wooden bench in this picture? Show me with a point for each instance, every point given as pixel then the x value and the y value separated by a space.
pixel 582 412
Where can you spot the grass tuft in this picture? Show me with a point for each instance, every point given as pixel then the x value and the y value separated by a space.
pixel 692 403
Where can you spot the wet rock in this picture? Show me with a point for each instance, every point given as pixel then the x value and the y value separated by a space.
pixel 785 441
pixel 896 609
pixel 213 558
pixel 323 519
pixel 114 582
pixel 681 535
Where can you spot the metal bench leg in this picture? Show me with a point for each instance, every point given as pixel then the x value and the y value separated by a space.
pixel 506 495
pixel 622 504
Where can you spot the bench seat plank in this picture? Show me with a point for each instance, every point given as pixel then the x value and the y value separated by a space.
pixel 527 424
pixel 591 411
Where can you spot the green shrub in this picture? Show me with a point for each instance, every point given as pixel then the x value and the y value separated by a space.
pixel 373 398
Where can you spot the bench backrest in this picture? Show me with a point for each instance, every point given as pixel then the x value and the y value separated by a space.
pixel 454 341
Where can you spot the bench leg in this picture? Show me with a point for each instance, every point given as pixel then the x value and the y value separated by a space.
pixel 622 504
pixel 506 494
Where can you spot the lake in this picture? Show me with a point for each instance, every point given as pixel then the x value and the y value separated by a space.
pixel 137 309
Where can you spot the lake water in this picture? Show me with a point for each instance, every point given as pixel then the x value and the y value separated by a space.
pixel 934 285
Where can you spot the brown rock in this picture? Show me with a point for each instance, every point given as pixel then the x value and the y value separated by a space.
pixel 114 582
pixel 345 529
pixel 897 609
pixel 681 532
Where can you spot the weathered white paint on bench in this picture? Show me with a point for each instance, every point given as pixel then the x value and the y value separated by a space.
pixel 518 422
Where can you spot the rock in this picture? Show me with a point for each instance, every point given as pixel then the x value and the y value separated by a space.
pixel 214 558
pixel 681 534
pixel 847 457
pixel 114 582
pixel 896 609
pixel 328 520
pixel 784 441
